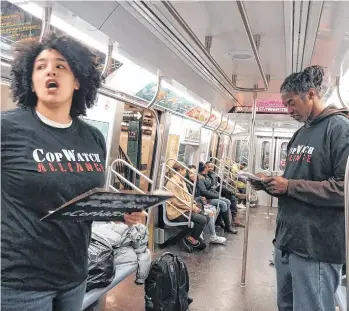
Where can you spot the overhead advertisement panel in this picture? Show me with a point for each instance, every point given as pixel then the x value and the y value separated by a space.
pixel 17 24
pixel 263 107
pixel 173 101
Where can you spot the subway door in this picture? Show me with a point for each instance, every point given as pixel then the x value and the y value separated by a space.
pixel 280 160
pixel 263 164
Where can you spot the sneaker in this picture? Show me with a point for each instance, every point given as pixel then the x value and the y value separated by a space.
pixel 231 231
pixel 199 245
pixel 214 239
pixel 201 237
pixel 241 206
pixel 238 224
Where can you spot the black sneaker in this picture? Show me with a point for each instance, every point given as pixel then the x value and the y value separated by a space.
pixel 199 245
pixel 231 231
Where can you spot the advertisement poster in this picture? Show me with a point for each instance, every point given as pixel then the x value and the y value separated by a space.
pixel 17 24
pixel 263 107
pixel 171 101
pixel 172 146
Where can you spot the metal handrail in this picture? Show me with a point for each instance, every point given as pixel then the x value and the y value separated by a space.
pixel 108 60
pixel 185 203
pixel 111 170
pixel 177 209
pixel 46 21
pixel 169 179
pixel 178 162
pixel 171 169
pixel 197 41
pixel 156 94
pixel 185 179
pixel 234 126
pixel 346 209
pixel 265 78
pixel 218 126
pixel 222 131
pixel 338 80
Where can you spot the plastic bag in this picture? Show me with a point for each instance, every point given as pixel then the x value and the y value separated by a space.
pixel 100 263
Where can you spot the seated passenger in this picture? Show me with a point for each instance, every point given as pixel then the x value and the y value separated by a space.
pixel 212 196
pixel 177 207
pixel 206 208
pixel 240 183
pixel 225 193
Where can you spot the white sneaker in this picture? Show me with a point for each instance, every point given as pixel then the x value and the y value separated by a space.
pixel 241 206
pixel 217 239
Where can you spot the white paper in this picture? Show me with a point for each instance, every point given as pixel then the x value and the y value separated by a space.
pixel 249 176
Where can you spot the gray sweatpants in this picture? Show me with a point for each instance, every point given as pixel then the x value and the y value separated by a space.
pixel 304 284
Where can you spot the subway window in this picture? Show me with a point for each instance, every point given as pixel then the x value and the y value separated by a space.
pixel 283 156
pixel 265 155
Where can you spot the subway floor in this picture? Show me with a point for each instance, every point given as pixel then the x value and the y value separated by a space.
pixel 215 274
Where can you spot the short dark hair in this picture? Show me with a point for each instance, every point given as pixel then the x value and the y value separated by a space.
pixel 191 166
pixel 209 162
pixel 202 167
pixel 301 82
pixel 80 59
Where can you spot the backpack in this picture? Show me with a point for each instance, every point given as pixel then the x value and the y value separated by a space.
pixel 167 285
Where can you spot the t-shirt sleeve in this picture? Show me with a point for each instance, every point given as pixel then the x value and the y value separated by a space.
pixel 10 136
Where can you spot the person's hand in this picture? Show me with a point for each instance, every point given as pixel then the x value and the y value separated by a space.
pixel 134 218
pixel 196 209
pixel 276 185
pixel 211 213
pixel 258 185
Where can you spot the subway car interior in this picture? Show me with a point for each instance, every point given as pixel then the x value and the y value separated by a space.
pixel 188 82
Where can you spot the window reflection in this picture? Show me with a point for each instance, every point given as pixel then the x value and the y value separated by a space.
pixel 265 155
pixel 283 156
pixel 241 151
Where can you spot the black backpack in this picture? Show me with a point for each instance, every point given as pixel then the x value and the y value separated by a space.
pixel 167 285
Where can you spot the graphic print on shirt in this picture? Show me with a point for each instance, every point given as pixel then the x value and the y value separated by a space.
pixel 300 153
pixel 67 161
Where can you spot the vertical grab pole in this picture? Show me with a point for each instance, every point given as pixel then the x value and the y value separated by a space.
pixel 151 214
pixel 215 130
pixel 272 160
pixel 250 168
pixel 197 164
pixel 346 208
pixel 223 155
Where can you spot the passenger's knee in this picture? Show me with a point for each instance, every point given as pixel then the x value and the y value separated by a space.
pixel 223 206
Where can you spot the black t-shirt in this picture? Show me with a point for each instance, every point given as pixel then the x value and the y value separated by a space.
pixel 43 167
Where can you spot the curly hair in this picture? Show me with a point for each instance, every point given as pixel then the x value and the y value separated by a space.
pixel 80 59
pixel 301 82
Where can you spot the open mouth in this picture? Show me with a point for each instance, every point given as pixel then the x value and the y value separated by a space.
pixel 52 84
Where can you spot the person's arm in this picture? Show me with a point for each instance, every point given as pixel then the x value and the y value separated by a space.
pixel 328 192
pixel 203 190
pixel 177 192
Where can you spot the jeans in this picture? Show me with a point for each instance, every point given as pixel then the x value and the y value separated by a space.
pixel 199 220
pixel 211 223
pixel 224 204
pixel 304 284
pixel 17 300
pixel 226 193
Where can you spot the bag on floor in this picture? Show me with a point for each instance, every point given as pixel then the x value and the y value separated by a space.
pixel 167 285
pixel 101 269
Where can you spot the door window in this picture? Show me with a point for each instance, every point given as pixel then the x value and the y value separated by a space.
pixel 283 156
pixel 265 155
